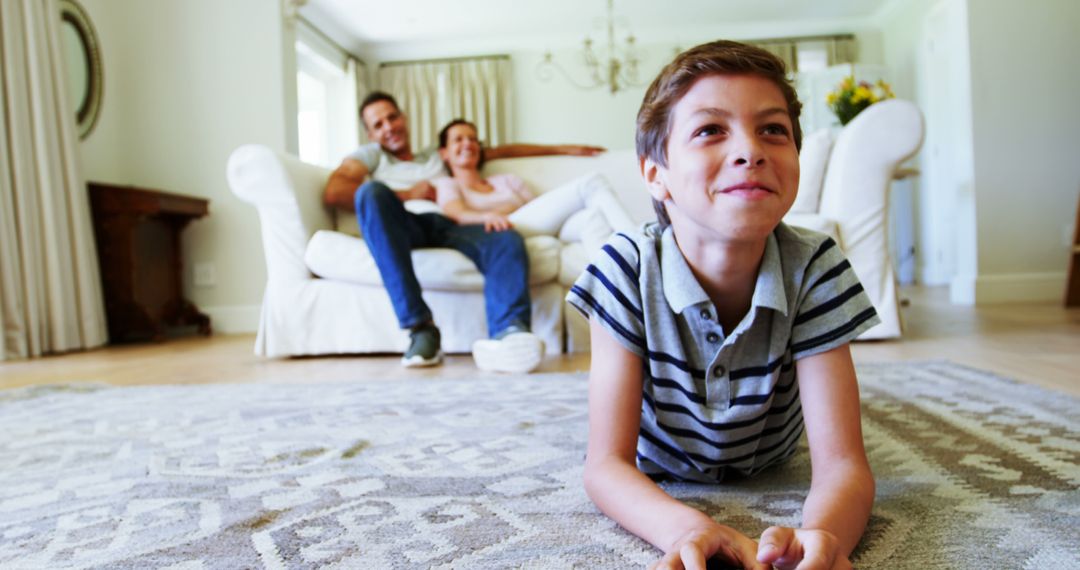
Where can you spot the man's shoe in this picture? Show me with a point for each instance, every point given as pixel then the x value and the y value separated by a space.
pixel 517 351
pixel 424 349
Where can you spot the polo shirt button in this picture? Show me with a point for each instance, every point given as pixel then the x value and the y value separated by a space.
pixel 718 371
pixel 705 314
pixel 712 337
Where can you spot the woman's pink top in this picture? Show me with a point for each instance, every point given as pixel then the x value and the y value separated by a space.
pixel 509 194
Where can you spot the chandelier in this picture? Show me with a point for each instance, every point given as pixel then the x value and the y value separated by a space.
pixel 613 69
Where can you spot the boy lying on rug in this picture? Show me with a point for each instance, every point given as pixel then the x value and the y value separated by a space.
pixel 717 330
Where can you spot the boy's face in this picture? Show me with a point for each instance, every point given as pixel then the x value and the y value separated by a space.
pixel 733 168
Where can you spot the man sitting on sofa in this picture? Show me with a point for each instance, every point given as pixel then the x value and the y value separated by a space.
pixel 391 232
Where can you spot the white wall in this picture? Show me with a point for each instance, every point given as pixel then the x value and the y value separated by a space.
pixel 557 112
pixel 1027 144
pixel 185 84
pixel 926 46
pixel 996 224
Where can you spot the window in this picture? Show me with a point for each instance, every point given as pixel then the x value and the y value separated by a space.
pixel 311 118
pixel 812 56
pixel 327 124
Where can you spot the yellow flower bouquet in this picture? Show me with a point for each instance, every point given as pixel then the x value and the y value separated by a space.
pixel 850 98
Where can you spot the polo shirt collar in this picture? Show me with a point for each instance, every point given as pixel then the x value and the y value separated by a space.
pixel 682 290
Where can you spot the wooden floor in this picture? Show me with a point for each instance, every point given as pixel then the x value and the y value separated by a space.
pixel 1034 343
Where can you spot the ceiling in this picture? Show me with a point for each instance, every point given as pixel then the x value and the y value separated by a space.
pixel 367 22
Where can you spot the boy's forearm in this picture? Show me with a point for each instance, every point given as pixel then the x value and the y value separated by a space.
pixel 634 501
pixel 840 502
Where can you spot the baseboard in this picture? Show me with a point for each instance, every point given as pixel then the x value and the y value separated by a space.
pixel 1019 287
pixel 234 319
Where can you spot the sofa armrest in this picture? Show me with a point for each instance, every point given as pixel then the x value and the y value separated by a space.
pixel 856 197
pixel 861 166
pixel 287 194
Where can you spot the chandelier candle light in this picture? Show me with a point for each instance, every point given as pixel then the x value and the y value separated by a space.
pixel 613 72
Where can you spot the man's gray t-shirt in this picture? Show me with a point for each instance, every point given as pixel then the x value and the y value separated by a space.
pixel 399 174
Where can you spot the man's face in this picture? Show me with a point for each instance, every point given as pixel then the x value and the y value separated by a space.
pixel 386 125
pixel 733 168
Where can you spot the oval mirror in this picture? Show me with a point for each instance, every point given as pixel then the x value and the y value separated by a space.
pixel 83 61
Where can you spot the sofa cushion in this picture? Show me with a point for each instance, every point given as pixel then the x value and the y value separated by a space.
pixel 814 222
pixel 341 257
pixel 573 259
pixel 813 161
pixel 588 226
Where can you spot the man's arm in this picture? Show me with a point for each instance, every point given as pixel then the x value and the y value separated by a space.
pixel 523 150
pixel 841 487
pixel 343 182
pixel 687 536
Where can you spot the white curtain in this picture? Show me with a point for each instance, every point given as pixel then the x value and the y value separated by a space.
pixel 838 49
pixel 432 94
pixel 350 119
pixel 788 52
pixel 357 72
pixel 50 290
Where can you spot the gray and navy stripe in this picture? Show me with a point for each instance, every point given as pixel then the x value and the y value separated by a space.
pixel 716 403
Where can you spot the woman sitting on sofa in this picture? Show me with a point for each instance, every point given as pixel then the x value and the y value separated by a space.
pixel 503 201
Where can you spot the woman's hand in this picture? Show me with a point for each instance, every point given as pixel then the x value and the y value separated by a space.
pixel 494 222
pixel 715 540
pixel 803 548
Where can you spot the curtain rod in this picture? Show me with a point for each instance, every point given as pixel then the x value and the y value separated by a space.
pixel 323 35
pixel 444 60
pixel 801 39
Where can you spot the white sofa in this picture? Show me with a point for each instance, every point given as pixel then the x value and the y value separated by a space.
pixel 324 295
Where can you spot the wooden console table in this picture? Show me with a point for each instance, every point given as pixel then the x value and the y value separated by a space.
pixel 138 241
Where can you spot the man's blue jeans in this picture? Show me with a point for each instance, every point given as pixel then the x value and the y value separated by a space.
pixel 392 232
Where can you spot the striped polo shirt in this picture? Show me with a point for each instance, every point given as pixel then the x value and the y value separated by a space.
pixel 714 402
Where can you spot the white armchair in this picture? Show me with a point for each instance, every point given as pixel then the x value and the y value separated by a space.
pixel 855 194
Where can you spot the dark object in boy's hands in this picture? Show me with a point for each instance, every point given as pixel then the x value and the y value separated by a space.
pixel 716 563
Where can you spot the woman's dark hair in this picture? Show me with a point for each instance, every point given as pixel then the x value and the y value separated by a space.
pixel 444 134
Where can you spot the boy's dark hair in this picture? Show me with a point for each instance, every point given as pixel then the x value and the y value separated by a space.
pixel 720 57
pixel 375 97
pixel 445 134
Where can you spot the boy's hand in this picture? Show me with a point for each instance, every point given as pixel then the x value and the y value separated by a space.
pixel 701 543
pixel 801 549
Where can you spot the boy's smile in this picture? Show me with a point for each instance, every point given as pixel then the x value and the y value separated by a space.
pixel 733 168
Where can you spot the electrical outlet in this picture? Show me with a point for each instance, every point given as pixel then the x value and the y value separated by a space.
pixel 205 275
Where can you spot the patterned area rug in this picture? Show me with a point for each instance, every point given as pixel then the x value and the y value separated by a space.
pixel 973 471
